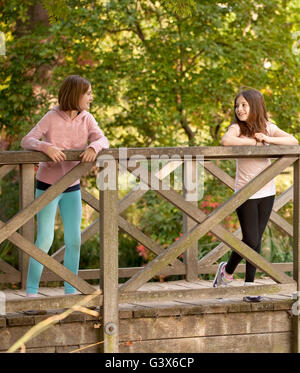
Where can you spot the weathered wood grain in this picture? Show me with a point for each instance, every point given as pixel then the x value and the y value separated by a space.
pixel 190 256
pixel 39 203
pixel 209 152
pixel 296 255
pixel 5 169
pixel 129 228
pixel 10 277
pixel 146 241
pixel 32 250
pixel 7 268
pixel 26 196
pixel 218 251
pixel 108 233
pixel 205 293
pixel 283 198
pixel 213 219
pixel 49 303
pixel 93 274
pixel 278 203
pixel 222 248
pixel 281 223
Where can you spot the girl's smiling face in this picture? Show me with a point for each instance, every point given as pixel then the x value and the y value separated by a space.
pixel 86 99
pixel 242 108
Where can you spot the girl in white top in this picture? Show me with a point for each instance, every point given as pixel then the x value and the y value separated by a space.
pixel 251 127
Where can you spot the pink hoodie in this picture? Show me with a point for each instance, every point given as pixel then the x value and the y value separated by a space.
pixel 56 128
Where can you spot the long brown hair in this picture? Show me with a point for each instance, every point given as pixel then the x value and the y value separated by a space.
pixel 257 119
pixel 72 88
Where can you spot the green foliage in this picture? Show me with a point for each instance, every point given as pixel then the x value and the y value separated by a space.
pixel 280 246
pixel 181 8
pixel 163 73
pixel 159 220
pixel 128 255
pixel 57 9
pixel 158 79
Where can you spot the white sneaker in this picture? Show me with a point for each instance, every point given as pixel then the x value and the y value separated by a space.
pixel 252 298
pixel 220 279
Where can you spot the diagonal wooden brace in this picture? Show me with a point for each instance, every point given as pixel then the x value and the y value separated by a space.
pixel 43 258
pixel 129 228
pixel 210 221
pixel 274 218
pixel 39 203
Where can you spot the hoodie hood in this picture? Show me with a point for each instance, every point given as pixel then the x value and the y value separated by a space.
pixel 66 117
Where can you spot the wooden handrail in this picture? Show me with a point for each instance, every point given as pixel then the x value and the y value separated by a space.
pixel 208 152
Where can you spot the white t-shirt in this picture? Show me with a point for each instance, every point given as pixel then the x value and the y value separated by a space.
pixel 248 168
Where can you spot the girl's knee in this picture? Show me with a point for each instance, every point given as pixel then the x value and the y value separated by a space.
pixel 44 241
pixel 72 235
pixel 73 243
pixel 253 243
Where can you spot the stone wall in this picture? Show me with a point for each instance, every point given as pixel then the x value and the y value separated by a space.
pixel 173 327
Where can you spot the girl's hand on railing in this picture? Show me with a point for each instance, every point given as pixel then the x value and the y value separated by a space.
pixel 259 143
pixel 89 155
pixel 261 137
pixel 55 154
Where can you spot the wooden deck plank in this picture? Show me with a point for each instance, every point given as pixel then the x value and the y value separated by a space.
pixel 151 286
pixel 185 284
pixel 198 284
pixel 171 286
pixel 13 296
pixel 51 291
pixel 22 293
pixel 215 305
pixel 277 297
pixel 206 283
pixel 156 309
pixel 265 280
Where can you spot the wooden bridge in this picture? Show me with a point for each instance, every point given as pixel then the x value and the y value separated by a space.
pixel 116 299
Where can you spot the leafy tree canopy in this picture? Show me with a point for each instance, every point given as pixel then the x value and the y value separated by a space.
pixel 163 73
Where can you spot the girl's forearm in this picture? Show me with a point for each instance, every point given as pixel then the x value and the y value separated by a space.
pixel 288 140
pixel 233 141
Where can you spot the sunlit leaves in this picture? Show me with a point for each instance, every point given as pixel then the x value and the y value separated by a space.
pixel 160 77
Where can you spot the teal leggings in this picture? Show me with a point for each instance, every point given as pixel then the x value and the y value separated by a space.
pixel 70 210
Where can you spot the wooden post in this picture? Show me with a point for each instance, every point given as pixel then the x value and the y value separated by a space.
pixel 296 255
pixel 26 196
pixel 190 256
pixel 109 261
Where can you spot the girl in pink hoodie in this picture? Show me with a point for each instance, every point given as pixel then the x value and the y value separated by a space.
pixel 67 126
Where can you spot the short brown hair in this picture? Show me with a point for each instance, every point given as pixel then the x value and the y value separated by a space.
pixel 72 88
pixel 257 120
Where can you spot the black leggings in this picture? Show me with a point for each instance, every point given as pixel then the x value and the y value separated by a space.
pixel 253 216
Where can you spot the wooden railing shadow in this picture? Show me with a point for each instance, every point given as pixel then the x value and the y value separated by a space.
pixel 196 225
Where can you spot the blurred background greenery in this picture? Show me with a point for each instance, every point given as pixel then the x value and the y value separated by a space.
pixel 163 73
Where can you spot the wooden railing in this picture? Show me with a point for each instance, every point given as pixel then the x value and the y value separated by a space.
pixel 196 225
